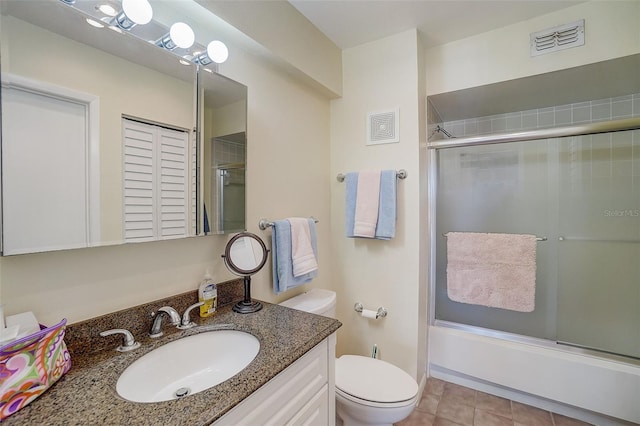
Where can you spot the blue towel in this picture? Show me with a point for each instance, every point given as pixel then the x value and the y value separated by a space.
pixel 283 278
pixel 387 209
pixel 351 197
pixel 386 226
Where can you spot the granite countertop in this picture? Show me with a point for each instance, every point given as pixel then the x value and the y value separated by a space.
pixel 87 395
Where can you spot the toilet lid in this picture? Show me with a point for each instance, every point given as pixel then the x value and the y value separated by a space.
pixel 373 379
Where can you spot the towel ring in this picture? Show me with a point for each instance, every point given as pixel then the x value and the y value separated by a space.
pixel 400 174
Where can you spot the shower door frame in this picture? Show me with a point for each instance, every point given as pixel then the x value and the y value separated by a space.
pixel 532 135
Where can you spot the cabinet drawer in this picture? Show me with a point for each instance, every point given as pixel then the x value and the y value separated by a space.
pixel 282 397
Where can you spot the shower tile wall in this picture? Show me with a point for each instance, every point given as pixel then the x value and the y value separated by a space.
pixel 562 115
pixel 225 152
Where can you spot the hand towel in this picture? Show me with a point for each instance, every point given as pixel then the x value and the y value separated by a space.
pixel 350 201
pixel 494 270
pixel 302 255
pixel 283 278
pixel 386 226
pixel 367 203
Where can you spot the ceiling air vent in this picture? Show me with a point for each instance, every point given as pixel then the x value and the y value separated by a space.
pixel 557 38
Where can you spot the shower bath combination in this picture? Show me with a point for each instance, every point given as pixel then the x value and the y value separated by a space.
pixel 577 187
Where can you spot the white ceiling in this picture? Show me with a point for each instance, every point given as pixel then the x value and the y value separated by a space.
pixel 349 23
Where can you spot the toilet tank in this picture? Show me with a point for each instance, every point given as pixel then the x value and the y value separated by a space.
pixel 316 301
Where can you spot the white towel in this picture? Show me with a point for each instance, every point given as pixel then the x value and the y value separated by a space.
pixel 367 203
pixel 494 270
pixel 302 256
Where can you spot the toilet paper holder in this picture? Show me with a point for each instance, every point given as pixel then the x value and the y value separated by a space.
pixel 380 313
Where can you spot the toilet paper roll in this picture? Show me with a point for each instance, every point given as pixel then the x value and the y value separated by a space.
pixel 368 313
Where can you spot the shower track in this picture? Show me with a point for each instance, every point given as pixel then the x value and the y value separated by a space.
pixel 555 132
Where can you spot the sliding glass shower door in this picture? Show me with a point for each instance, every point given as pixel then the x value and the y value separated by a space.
pixel 599 242
pixel 580 193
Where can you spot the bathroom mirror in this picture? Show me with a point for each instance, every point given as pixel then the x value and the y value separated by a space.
pixel 84 111
pixel 244 255
pixel 223 130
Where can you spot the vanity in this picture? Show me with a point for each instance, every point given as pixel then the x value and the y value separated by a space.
pixel 290 381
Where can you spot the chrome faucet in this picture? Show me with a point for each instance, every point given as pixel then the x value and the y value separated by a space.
pixel 156 327
pixel 186 317
pixel 129 343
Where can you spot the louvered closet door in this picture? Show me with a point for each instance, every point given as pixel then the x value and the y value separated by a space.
pixel 139 223
pixel 174 184
pixel 156 202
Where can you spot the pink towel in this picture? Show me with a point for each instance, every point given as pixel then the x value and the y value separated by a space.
pixel 495 270
pixel 367 202
pixel 302 256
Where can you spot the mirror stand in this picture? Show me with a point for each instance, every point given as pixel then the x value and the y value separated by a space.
pixel 247 306
pixel 244 255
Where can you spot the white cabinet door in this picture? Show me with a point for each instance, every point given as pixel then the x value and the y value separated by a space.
pixel 45 172
pixel 302 394
pixel 315 412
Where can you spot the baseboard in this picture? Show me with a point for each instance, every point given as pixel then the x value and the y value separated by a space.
pixel 421 386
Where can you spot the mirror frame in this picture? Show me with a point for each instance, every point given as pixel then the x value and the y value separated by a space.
pixel 246 305
pixel 235 269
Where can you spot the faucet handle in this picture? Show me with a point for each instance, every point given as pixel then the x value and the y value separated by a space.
pixel 129 342
pixel 186 317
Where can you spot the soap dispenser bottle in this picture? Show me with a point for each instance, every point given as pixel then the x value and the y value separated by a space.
pixel 208 293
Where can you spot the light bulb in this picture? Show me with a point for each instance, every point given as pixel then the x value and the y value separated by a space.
pixel 107 10
pixel 137 11
pixel 94 23
pixel 217 51
pixel 182 35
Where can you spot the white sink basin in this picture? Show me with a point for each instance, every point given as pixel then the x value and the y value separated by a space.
pixel 187 366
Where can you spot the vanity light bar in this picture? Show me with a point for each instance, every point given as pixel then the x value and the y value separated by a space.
pixel 180 39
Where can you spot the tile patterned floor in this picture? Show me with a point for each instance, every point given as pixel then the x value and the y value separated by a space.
pixel 448 404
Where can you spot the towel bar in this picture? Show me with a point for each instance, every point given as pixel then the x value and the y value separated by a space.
pixel 264 223
pixel 400 174
pixel 537 238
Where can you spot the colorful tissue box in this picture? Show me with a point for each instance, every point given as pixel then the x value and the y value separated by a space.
pixel 30 365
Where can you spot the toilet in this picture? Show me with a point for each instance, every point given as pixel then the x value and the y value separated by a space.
pixel 368 391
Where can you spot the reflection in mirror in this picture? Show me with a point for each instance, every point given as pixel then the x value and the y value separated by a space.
pixel 244 255
pixel 223 125
pixel 74 172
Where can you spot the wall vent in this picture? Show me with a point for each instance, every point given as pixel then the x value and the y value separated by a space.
pixel 557 38
pixel 383 127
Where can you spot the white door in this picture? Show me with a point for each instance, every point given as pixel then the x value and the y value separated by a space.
pixel 44 166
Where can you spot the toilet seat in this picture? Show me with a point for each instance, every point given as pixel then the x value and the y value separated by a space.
pixel 373 382
pixel 364 402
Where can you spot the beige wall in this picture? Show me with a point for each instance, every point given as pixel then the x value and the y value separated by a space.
pixel 229 119
pixel 611 31
pixel 279 27
pixel 379 76
pixel 287 159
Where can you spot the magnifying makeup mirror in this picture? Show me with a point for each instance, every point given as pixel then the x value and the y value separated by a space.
pixel 244 255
